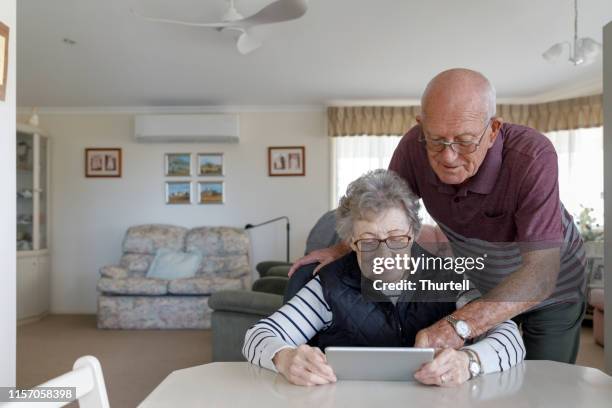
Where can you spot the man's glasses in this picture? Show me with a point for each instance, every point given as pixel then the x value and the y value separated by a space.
pixel 372 244
pixel 461 147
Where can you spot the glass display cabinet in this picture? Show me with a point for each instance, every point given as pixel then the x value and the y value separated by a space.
pixel 33 261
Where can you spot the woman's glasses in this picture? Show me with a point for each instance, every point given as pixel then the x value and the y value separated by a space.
pixel 393 242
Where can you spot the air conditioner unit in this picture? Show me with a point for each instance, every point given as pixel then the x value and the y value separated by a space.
pixel 202 128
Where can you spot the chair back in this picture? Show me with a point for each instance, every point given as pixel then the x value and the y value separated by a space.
pixel 86 377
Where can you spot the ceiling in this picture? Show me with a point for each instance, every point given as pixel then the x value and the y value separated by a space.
pixel 341 51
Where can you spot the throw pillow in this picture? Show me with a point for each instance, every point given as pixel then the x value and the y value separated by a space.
pixel 169 264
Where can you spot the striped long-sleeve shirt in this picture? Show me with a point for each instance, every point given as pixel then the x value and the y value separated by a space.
pixel 307 313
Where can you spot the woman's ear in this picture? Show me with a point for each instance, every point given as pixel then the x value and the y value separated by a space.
pixel 351 243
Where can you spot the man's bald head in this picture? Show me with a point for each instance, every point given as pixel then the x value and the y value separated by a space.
pixel 459 91
pixel 458 106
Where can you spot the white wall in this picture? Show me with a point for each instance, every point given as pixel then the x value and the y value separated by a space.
pixel 608 192
pixel 90 216
pixel 7 209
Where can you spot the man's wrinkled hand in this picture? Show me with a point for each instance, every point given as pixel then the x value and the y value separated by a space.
pixel 322 256
pixel 440 335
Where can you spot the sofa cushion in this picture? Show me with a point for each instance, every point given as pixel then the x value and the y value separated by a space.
pixel 114 272
pixel 217 241
pixel 148 238
pixel 232 266
pixel 204 285
pixel 170 264
pixel 133 286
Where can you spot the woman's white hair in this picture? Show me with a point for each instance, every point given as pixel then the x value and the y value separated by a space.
pixel 374 192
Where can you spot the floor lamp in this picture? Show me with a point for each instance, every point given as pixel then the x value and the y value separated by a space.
pixel 249 226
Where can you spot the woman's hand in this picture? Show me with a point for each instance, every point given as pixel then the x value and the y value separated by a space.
pixel 304 365
pixel 322 256
pixel 448 369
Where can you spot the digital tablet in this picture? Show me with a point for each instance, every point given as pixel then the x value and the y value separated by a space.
pixel 377 363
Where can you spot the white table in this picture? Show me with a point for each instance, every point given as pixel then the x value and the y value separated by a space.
pixel 531 384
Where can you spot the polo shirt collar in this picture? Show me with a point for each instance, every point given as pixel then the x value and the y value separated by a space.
pixel 485 178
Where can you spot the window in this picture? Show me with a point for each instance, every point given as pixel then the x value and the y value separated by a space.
pixel 355 155
pixel 580 155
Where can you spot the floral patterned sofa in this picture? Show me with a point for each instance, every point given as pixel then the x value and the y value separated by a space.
pixel 129 300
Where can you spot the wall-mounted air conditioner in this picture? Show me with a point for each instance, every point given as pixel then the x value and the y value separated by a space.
pixel 202 128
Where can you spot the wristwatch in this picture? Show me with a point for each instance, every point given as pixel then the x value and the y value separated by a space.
pixel 474 366
pixel 461 326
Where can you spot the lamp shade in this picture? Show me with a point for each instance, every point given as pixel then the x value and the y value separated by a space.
pixel 553 52
pixel 591 49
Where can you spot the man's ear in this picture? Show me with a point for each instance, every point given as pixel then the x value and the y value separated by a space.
pixel 419 119
pixel 496 124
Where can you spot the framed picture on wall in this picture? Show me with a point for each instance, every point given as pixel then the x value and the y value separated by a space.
pixel 211 192
pixel 178 165
pixel 286 161
pixel 103 162
pixel 178 192
pixel 210 164
pixel 4 48
pixel 595 269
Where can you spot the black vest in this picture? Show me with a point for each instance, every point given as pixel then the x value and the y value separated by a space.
pixel 361 322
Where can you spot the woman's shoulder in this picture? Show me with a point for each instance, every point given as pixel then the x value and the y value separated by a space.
pixel 341 269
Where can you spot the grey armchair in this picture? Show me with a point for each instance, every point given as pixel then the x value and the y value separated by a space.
pixel 235 311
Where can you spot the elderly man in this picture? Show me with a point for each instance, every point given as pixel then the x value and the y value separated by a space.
pixel 493 189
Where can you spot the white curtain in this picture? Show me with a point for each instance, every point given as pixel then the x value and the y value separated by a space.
pixel 580 155
pixel 355 155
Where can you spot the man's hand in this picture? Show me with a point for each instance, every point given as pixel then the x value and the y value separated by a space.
pixel 304 365
pixel 323 256
pixel 439 335
pixel 448 369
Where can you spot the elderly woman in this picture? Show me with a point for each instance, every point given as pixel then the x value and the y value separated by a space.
pixel 378 214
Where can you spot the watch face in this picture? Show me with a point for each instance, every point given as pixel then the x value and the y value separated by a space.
pixel 462 328
pixel 474 368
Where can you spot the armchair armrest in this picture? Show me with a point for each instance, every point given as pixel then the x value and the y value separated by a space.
pixel 114 272
pixel 244 301
pixel 281 271
pixel 271 284
pixel 264 267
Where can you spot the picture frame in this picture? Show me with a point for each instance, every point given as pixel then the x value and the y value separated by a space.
pixel 596 272
pixel 177 165
pixel 178 192
pixel 103 162
pixel 211 192
pixel 210 164
pixel 4 55
pixel 286 161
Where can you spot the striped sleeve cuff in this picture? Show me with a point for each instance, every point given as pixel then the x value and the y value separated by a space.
pixel 490 360
pixel 273 346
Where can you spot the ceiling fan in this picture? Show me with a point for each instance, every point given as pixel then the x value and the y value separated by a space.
pixel 232 20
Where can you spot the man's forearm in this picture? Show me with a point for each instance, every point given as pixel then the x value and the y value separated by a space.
pixel 523 289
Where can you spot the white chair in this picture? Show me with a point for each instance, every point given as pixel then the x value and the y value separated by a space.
pixel 86 376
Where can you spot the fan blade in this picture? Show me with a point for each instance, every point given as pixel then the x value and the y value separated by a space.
pixel 247 43
pixel 185 23
pixel 279 11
